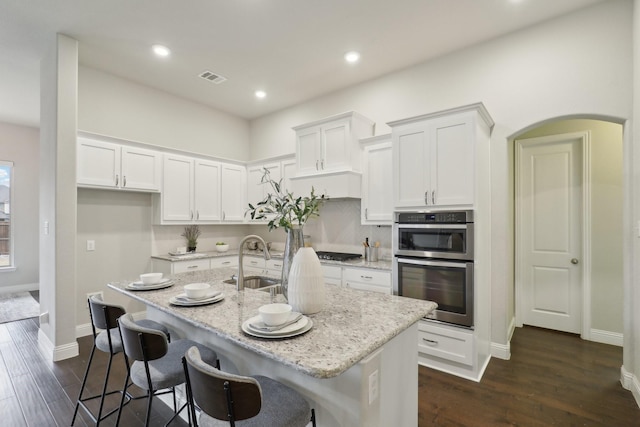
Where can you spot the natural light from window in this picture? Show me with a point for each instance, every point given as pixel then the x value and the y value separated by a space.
pixel 5 214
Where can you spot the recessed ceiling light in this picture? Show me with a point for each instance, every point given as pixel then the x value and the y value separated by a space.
pixel 261 94
pixel 352 57
pixel 160 50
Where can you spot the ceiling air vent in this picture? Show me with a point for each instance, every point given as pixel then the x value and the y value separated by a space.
pixel 212 77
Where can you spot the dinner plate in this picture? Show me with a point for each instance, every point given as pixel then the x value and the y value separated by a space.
pixel 300 327
pixel 139 286
pixel 182 300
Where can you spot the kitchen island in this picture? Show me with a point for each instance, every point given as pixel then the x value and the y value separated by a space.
pixel 357 366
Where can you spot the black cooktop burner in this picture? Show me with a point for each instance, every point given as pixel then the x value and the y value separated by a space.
pixel 337 256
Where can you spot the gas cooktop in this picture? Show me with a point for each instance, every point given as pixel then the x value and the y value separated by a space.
pixel 337 256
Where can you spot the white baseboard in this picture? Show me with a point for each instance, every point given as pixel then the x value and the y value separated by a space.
pixel 27 287
pixel 85 329
pixel 631 383
pixel 56 353
pixel 606 337
pixel 503 351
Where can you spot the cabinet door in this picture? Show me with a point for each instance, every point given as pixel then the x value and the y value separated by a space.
pixel 207 190
pixel 256 189
pixel 336 147
pixel 177 188
pixel 140 169
pixel 411 166
pixel 309 149
pixel 288 168
pixel 233 187
pixel 377 178
pixel 452 151
pixel 98 163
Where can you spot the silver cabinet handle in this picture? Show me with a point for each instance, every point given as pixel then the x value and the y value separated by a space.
pixel 253 262
pixel 322 164
pixel 426 197
pixel 192 266
pixel 277 265
pixel 366 213
pixel 117 180
pixel 223 215
pixel 191 214
pixel 316 165
pixel 124 180
pixel 197 214
pixel 226 262
pixel 366 277
pixel 574 261
pixel 432 342
pixel 433 197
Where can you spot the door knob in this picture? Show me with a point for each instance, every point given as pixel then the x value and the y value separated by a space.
pixel 574 260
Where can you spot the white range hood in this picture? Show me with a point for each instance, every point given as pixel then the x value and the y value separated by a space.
pixel 334 185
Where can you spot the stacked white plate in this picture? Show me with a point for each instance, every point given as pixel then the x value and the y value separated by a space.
pixel 139 286
pixel 256 327
pixel 184 301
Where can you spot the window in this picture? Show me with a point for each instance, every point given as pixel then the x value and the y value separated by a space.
pixel 6 256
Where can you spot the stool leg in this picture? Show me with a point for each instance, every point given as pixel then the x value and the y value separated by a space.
pixel 104 389
pixel 84 383
pixel 149 401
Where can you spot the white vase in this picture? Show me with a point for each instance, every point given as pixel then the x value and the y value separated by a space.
pixel 306 293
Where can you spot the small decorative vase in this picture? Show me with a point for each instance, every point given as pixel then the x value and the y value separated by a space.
pixel 294 242
pixel 306 282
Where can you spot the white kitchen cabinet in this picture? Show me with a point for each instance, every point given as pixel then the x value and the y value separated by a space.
pixel 332 274
pixel 253 265
pixel 190 189
pixel 233 188
pixel 175 267
pixel 331 144
pixel 434 157
pixel 377 179
pixel 102 164
pixel 439 344
pixel 274 266
pixel 224 261
pixel 279 169
pixel 367 279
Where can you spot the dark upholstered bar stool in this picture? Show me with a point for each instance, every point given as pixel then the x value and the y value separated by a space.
pixel 105 316
pixel 154 364
pixel 234 400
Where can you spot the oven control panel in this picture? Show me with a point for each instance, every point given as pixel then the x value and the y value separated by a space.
pixel 450 217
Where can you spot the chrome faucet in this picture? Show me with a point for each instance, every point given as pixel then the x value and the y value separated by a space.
pixel 265 250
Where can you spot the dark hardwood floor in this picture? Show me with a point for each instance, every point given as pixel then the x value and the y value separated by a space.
pixel 552 379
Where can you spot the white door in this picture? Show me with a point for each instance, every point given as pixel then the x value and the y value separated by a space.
pixel 207 190
pixel 549 234
pixel 232 192
pixel 98 163
pixel 177 188
pixel 140 169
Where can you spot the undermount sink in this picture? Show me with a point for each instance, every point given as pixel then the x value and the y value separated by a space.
pixel 257 282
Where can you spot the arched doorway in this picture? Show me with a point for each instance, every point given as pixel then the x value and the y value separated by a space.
pixel 601 291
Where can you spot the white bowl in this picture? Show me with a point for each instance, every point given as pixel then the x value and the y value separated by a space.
pixel 222 248
pixel 197 290
pixel 151 278
pixel 274 314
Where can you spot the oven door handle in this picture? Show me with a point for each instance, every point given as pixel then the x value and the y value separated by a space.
pixel 462 264
pixel 402 226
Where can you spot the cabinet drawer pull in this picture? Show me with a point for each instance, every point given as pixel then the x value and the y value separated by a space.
pixel 226 262
pixel 316 165
pixel 431 342
pixel 426 197
pixel 253 262
pixel 322 164
pixel 124 180
pixel 433 197
pixel 192 266
pixel 366 277
pixel 197 214
pixel 117 180
pixel 277 265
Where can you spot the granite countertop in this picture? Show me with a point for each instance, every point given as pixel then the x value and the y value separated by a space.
pixel 352 325
pixel 360 263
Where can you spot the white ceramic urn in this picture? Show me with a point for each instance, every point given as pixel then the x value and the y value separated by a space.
pixel 306 293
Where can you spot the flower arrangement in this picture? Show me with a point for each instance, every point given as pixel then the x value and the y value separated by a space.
pixel 282 208
pixel 191 233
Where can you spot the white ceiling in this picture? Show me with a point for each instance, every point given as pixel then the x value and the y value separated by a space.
pixel 292 49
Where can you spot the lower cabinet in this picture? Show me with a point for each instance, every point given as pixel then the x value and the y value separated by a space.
pixel 332 274
pixel 175 267
pixel 367 279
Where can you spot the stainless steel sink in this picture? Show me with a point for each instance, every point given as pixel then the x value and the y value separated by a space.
pixel 257 282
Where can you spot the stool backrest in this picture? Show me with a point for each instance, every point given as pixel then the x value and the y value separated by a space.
pixel 103 315
pixel 141 343
pixel 221 395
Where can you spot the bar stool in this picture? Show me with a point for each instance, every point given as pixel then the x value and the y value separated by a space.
pixel 156 362
pixel 227 399
pixel 105 316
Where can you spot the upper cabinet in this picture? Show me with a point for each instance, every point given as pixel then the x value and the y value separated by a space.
pixel 331 144
pixel 279 169
pixel 377 196
pixel 233 188
pixel 102 164
pixel 434 157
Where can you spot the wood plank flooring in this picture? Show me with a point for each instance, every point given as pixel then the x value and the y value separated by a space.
pixel 552 379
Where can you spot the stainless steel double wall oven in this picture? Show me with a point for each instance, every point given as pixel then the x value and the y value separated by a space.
pixel 433 260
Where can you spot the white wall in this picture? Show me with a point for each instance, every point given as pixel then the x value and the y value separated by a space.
pixel 109 105
pixel 606 216
pixel 579 64
pixel 19 144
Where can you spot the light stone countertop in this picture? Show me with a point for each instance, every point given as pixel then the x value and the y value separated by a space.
pixel 360 263
pixel 352 325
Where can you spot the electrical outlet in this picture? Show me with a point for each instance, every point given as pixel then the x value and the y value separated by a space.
pixel 93 293
pixel 374 386
pixel 91 245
